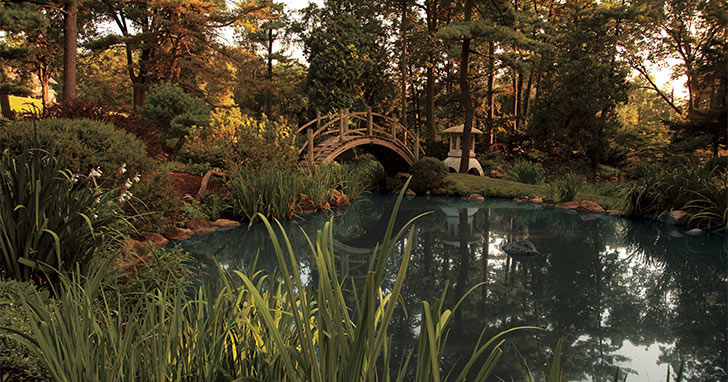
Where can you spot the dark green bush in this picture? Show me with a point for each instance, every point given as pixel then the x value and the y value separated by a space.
pixel 174 112
pixel 49 220
pixel 525 172
pixel 83 145
pixel 17 362
pixel 155 200
pixel 427 173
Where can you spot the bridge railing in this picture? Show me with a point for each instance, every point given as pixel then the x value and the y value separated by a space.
pixel 346 125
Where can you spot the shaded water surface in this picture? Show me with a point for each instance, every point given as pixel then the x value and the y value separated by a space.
pixel 622 293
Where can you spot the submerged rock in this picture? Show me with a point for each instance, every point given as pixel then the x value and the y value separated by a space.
pixel 695 232
pixel 520 248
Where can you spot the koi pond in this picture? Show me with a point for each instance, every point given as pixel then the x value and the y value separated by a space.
pixel 624 293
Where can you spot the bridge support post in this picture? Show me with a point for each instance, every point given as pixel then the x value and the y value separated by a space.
pixel 394 128
pixel 370 122
pixel 341 125
pixel 309 134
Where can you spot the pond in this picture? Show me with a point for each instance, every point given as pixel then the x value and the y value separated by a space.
pixel 624 293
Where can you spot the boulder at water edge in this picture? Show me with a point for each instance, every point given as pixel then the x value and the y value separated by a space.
pixel 339 199
pixel 176 233
pixel 474 198
pixel 225 223
pixel 200 225
pixel 155 238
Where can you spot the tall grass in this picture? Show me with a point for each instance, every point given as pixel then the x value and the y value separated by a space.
pixel 255 327
pixel 269 192
pixel 699 190
pixel 366 174
pixel 48 219
pixel 565 188
pixel 524 171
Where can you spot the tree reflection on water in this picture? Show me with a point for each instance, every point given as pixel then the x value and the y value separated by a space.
pixel 598 282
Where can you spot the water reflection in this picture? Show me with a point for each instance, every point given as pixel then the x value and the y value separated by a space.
pixel 625 293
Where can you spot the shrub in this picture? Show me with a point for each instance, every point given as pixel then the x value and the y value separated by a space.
pixel 525 172
pixel 174 112
pixel 364 174
pixel 155 202
pixel 49 221
pixel 234 138
pixel 428 173
pixel 565 188
pixel 82 145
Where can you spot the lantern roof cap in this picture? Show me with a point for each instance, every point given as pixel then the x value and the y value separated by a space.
pixel 459 130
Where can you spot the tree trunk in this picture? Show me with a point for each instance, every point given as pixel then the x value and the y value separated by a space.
pixel 268 92
pixel 44 78
pixel 70 45
pixel 465 97
pixel 403 63
pixel 432 18
pixel 491 94
pixel 516 96
pixel 140 93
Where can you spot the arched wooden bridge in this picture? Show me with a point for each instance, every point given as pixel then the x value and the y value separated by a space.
pixel 329 136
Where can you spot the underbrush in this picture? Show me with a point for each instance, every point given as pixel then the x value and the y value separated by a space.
pixel 525 172
pixel 565 188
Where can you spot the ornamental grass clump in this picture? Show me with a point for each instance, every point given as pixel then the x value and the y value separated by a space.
pixel 270 192
pixel 50 220
pixel 524 171
pixel 565 188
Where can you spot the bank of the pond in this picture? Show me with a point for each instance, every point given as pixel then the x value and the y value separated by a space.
pixel 464 184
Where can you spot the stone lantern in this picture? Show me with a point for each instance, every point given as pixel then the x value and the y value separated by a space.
pixel 455 135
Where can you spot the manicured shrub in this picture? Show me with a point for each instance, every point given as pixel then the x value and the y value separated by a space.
pixel 174 112
pixel 82 145
pixel 525 172
pixel 49 219
pixel 427 173
pixel 565 188
pixel 234 138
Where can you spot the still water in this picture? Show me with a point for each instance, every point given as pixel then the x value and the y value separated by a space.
pixel 623 293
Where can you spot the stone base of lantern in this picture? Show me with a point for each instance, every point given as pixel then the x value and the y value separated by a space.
pixel 473 167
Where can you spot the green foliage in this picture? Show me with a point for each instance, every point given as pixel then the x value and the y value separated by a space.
pixel 233 138
pixel 174 112
pixel 262 328
pixel 49 220
pixel 271 192
pixel 155 201
pixel 363 174
pixel 565 188
pixel 83 145
pixel 157 269
pixel 525 172
pixel 215 204
pixel 427 173
pixel 576 112
pixel 698 190
pixel 17 361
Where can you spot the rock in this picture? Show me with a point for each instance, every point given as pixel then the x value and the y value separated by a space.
pixel 134 246
pixel 155 238
pixel 537 200
pixel 326 206
pixel 614 179
pixel 589 206
pixel 676 217
pixel 474 198
pixel 589 217
pixel 305 204
pixel 695 232
pixel 616 212
pixel 225 223
pixel 176 233
pixel 499 167
pixel 339 199
pixel 410 192
pixel 496 174
pixel 200 225
pixel 520 248
pixel 675 234
pixel 569 205
pixel 521 199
